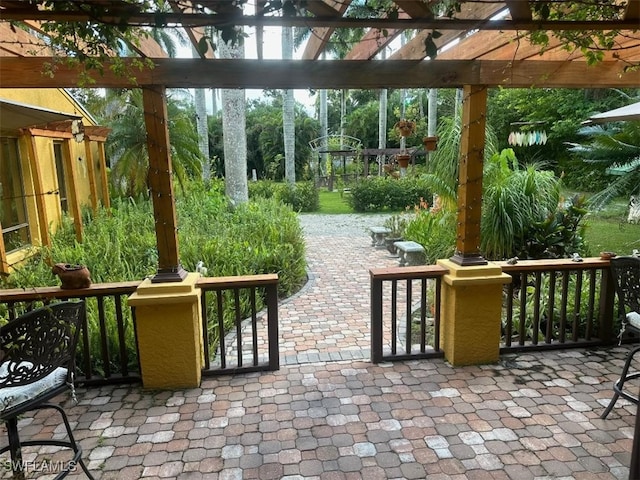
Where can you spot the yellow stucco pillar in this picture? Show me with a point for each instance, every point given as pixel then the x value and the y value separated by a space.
pixel 169 332
pixel 471 309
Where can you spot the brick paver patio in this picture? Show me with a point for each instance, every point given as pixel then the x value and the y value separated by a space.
pixel 329 413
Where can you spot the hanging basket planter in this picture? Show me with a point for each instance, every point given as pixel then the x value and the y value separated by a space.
pixel 430 143
pixel 405 128
pixel 403 160
pixel 72 276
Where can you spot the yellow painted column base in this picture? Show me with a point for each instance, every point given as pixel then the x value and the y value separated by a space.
pixel 470 315
pixel 169 332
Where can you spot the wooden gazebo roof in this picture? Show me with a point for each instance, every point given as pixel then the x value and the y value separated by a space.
pixel 484 44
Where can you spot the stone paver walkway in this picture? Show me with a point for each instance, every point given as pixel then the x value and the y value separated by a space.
pixel 526 417
pixel 329 319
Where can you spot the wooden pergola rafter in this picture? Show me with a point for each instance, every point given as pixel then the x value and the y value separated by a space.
pixel 489 52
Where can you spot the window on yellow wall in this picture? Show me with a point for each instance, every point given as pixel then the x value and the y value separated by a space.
pixel 60 172
pixel 13 211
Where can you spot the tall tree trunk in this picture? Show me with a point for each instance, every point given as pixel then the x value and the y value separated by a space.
pixel 214 101
pixel 324 123
pixel 382 120
pixel 343 116
pixel 288 113
pixel 382 127
pixel 458 105
pixel 432 119
pixel 203 132
pixel 234 131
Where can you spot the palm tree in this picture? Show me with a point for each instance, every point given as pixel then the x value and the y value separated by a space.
pixel 234 126
pixel 615 147
pixel 127 144
pixel 288 113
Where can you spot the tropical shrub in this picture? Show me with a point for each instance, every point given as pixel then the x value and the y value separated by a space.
pixel 522 215
pixel 381 193
pixel 616 149
pixel 262 236
pixel 575 305
pixel 435 230
pixel 303 197
pixel 560 235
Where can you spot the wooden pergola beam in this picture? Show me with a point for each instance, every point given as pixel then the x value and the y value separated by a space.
pixel 146 19
pixel 160 185
pixel 472 141
pixel 330 74
pixel 320 35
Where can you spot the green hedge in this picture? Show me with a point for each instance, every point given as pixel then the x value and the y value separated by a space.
pixel 303 197
pixel 383 193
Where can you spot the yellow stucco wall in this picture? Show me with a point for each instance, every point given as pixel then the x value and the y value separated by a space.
pixel 59 100
pixel 471 307
pixel 169 333
pixel 49 98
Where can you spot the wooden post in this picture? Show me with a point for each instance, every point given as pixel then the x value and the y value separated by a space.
pixel 4 265
pixel 104 183
pixel 73 188
pixel 161 186
pixel 474 109
pixel 38 191
pixel 91 171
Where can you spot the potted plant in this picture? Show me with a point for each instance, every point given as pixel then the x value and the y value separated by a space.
pixel 430 143
pixel 72 276
pixel 397 224
pixel 403 159
pixel 405 128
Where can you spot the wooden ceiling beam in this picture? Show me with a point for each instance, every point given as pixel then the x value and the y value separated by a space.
pixel 24 72
pixel 519 9
pixel 416 8
pixel 376 39
pixel 202 20
pixel 320 36
pixel 195 34
pixel 414 49
pixel 633 11
pixel 16 41
pixel 502 46
pixel 148 47
pixel 373 41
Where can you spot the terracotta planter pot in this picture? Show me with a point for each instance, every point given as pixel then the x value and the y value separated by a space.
pixel 72 276
pixel 430 143
pixel 403 160
pixel 405 127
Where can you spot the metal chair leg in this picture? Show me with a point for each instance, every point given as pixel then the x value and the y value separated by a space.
pixel 77 449
pixel 15 448
pixel 15 445
pixel 618 386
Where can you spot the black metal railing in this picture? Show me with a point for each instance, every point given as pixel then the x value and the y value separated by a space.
pixel 240 323
pixel 405 312
pixel 557 303
pixel 107 350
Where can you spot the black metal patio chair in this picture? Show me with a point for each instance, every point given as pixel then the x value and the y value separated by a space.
pixel 37 353
pixel 626 275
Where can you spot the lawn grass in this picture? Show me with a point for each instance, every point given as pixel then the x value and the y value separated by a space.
pixel 611 235
pixel 608 230
pixel 333 202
